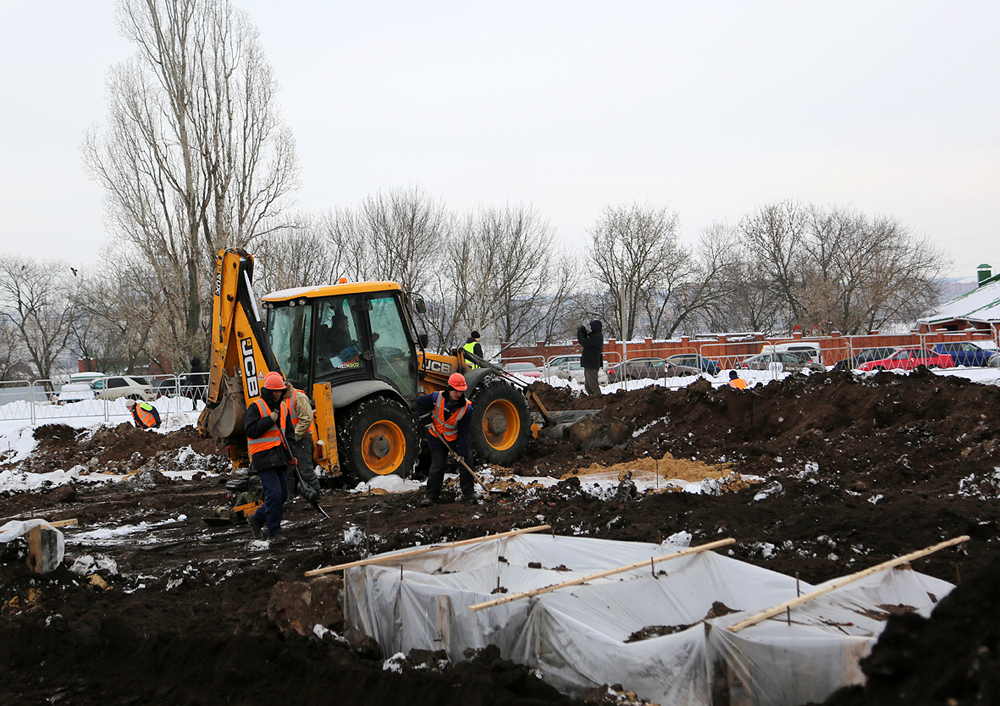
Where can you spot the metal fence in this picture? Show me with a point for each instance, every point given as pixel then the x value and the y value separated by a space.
pixel 39 401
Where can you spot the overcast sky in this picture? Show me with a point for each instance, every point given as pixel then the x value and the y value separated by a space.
pixel 711 108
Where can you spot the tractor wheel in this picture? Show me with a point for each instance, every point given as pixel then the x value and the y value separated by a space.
pixel 500 422
pixel 377 437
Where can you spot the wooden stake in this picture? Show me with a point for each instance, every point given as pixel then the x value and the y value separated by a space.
pixel 602 574
pixel 771 612
pixel 422 550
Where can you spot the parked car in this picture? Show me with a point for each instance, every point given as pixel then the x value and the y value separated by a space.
pixel 648 368
pixel 75 392
pixel 131 386
pixel 528 370
pixel 805 349
pixel 693 360
pixel 781 362
pixel 968 354
pixel 193 385
pixel 910 358
pixel 863 356
pixel 569 367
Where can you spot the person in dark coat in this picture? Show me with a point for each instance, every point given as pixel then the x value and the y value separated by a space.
pixel 450 418
pixel 473 346
pixel 592 357
pixel 269 417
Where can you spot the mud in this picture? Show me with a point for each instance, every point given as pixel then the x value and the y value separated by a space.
pixel 845 472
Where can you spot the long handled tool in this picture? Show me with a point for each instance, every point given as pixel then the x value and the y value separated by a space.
pixel 458 458
pixel 306 490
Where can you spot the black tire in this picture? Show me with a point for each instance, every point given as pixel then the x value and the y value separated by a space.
pixel 501 422
pixel 376 437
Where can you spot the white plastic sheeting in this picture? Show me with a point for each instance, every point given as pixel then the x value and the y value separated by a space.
pixel 576 637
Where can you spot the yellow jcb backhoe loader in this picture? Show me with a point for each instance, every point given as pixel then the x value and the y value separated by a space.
pixel 354 349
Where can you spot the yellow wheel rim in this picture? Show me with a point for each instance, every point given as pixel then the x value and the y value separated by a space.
pixel 383 447
pixel 501 425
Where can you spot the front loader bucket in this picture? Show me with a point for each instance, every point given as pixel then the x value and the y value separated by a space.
pixel 226 417
pixel 588 428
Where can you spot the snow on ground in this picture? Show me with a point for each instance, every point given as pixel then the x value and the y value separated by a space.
pixel 16 428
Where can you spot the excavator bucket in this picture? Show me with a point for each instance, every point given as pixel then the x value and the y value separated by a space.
pixel 225 418
pixel 587 428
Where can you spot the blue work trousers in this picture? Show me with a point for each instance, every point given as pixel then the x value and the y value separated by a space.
pixel 275 495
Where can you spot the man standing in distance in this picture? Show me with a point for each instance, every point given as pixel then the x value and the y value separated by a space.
pixel 472 345
pixel 592 357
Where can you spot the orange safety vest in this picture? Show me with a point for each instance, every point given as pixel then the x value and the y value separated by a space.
pixel 272 437
pixel 738 383
pixel 447 429
pixel 295 419
pixel 143 417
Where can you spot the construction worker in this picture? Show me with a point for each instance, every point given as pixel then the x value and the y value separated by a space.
pixel 450 423
pixel 736 382
pixel 144 414
pixel 301 441
pixel 592 356
pixel 268 419
pixel 472 345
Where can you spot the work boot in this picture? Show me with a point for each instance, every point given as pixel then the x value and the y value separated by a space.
pixel 277 540
pixel 427 502
pixel 472 498
pixel 256 526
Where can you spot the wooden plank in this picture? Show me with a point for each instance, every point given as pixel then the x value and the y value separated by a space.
pixel 602 574
pixel 63 523
pixel 423 550
pixel 806 597
pixel 43 549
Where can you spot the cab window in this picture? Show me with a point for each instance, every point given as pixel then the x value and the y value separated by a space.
pixel 395 360
pixel 337 338
pixel 289 331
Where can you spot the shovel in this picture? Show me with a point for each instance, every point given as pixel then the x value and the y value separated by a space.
pixel 458 458
pixel 305 490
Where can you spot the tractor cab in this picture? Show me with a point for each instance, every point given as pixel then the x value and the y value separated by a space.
pixel 344 333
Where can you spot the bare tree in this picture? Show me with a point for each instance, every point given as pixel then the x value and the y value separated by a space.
pixel 834 269
pixel 634 255
pixel 297 257
pixel 119 322
pixel 776 236
pixel 11 350
pixel 195 158
pixel 35 302
pixel 508 271
pixel 397 236
pixel 558 315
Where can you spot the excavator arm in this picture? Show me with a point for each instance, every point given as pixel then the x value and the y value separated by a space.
pixel 240 354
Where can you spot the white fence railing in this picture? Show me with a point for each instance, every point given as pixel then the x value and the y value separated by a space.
pixel 39 400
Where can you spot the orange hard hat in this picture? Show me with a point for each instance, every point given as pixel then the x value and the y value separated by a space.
pixel 457 382
pixel 274 381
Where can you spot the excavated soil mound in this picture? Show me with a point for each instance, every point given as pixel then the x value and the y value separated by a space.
pixel 855 471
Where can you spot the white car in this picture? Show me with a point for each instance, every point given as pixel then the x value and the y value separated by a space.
pixel 568 367
pixel 75 392
pixel 132 387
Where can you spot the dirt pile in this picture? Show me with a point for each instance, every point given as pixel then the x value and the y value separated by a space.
pixel 951 658
pixel 853 472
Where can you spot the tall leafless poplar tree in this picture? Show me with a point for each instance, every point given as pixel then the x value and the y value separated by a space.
pixel 195 157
